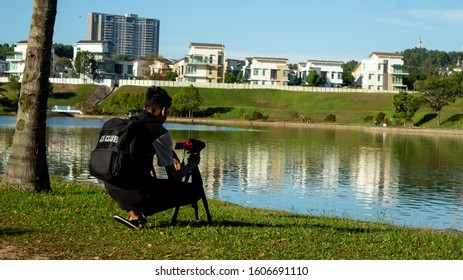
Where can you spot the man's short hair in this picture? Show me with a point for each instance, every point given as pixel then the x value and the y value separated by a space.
pixel 157 97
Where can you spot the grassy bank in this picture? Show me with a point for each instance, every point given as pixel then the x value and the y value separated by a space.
pixel 75 222
pixel 289 106
pixel 278 105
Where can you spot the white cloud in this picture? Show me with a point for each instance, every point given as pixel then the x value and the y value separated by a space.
pixel 395 21
pixel 455 16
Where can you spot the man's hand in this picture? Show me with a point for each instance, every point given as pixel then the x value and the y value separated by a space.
pixel 177 164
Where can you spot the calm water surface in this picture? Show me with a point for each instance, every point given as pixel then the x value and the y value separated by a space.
pixel 409 180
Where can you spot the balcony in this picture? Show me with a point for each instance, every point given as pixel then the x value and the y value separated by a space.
pixel 197 59
pixel 202 59
pixel 14 56
pixel 399 70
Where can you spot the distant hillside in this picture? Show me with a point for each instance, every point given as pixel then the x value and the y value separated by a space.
pixel 422 62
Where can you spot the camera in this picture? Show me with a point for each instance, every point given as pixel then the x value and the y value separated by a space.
pixel 191 145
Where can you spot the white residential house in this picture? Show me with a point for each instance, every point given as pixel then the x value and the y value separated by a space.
pixel 108 68
pixel 141 68
pixel 3 67
pixel 330 71
pixel 179 68
pixel 161 66
pixel 449 70
pixel 203 64
pixel 381 71
pixel 17 60
pixel 233 65
pixel 266 71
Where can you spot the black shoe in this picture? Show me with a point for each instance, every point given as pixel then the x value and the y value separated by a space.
pixel 140 223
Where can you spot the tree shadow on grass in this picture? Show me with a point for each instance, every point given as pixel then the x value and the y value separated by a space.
pixel 63 95
pixel 13 231
pixel 426 118
pixel 209 112
pixel 236 224
pixel 453 119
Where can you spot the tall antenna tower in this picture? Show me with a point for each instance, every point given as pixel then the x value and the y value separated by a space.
pixel 419 42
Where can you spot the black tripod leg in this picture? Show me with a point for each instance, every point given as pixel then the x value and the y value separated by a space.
pixel 198 180
pixel 206 207
pixel 174 217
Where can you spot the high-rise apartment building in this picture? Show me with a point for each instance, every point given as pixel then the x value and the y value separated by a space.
pixel 131 35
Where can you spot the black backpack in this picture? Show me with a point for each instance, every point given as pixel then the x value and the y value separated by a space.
pixel 111 160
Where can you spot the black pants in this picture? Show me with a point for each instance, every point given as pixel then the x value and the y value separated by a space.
pixel 170 195
pixel 158 195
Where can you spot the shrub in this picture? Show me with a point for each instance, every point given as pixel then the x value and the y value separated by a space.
pixel 295 115
pixel 330 118
pixel 257 115
pixel 368 118
pixel 89 108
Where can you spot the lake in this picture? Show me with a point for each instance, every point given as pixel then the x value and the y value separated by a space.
pixel 381 176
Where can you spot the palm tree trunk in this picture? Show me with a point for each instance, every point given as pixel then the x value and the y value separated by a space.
pixel 27 164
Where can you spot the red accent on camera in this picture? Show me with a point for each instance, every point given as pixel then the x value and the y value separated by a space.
pixel 187 144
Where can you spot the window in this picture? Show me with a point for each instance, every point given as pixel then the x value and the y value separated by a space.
pixel 256 72
pixel 263 72
pixel 379 78
pixel 370 76
pixel 191 69
pixel 396 79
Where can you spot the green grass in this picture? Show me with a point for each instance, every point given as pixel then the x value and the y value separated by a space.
pixel 63 95
pixel 226 104
pixel 74 221
pixel 349 108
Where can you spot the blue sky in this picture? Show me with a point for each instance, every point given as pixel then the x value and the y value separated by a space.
pixel 298 29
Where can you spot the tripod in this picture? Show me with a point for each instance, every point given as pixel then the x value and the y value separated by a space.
pixel 198 181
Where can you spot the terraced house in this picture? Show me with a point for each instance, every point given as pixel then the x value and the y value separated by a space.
pixel 204 63
pixel 381 71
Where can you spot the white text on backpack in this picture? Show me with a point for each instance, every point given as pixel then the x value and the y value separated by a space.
pixel 109 138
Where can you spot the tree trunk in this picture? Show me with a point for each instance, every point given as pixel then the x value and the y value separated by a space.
pixel 27 164
pixel 438 118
